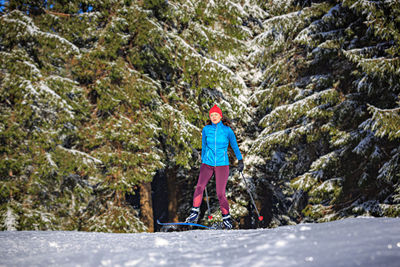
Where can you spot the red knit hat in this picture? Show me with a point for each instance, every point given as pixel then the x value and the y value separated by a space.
pixel 215 108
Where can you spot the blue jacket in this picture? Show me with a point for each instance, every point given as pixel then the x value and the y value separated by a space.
pixel 215 141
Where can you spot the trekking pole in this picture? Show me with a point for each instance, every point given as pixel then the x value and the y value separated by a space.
pixel 208 205
pixel 260 218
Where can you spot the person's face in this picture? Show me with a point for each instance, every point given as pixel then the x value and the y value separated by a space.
pixel 215 117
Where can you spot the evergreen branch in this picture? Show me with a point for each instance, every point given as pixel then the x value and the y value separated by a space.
pixel 384 122
pixel 58 13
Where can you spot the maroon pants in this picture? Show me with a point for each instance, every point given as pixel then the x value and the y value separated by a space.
pixel 221 178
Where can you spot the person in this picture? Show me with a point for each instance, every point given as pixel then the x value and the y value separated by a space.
pixel 216 136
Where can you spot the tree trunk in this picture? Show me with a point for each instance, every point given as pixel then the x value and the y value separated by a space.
pixel 146 206
pixel 172 196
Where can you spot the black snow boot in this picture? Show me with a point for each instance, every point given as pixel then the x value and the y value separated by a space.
pixel 227 221
pixel 194 215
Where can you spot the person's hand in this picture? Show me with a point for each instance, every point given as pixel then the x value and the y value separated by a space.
pixel 240 165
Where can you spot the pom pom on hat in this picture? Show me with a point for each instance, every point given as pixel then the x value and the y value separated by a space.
pixel 216 109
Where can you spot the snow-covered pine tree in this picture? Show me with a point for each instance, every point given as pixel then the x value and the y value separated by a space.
pixel 317 131
pixel 98 95
pixel 379 77
pixel 77 167
pixel 39 107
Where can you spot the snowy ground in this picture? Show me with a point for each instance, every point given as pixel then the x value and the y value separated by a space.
pixel 349 242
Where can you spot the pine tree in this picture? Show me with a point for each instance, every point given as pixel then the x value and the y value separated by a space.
pixel 318 130
pixel 101 105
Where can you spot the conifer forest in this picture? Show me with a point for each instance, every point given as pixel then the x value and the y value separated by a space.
pixel 102 103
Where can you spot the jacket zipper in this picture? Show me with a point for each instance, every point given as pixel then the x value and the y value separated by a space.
pixel 215 157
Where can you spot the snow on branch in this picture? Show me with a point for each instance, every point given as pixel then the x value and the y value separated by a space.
pixel 209 62
pixel 321 29
pixel 10 221
pixel 278 26
pixel 364 145
pixel 304 182
pixel 266 141
pixel 24 24
pixel 286 114
pixel 389 172
pixel 384 122
pixel 374 66
pixel 87 157
pixel 37 89
pixel 328 161
pixel 235 7
pixel 254 10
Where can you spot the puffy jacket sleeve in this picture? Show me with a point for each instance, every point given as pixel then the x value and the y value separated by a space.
pixel 203 143
pixel 234 144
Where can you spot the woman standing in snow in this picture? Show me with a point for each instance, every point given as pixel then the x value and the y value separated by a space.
pixel 216 136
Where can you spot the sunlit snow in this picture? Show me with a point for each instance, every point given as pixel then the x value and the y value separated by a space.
pixel 349 242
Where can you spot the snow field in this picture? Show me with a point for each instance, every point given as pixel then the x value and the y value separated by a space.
pixel 349 242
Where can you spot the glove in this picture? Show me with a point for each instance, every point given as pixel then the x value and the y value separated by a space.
pixel 240 165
